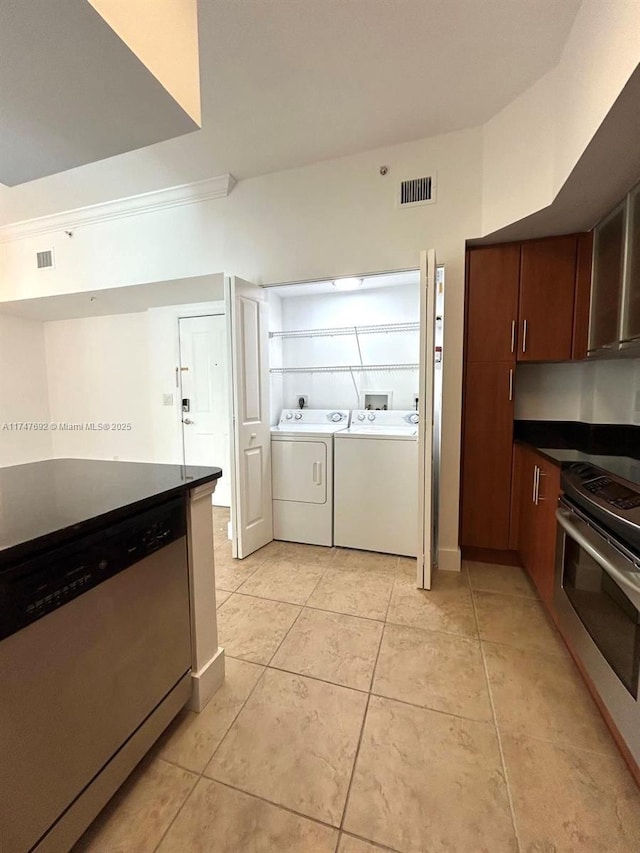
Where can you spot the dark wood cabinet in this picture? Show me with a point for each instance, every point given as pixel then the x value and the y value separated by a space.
pixel 492 303
pixel 524 302
pixel 487 443
pixel 547 295
pixel 539 488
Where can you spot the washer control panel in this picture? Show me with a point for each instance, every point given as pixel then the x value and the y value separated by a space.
pixel 385 417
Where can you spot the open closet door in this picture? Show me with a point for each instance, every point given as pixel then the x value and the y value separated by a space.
pixel 251 507
pixel 426 556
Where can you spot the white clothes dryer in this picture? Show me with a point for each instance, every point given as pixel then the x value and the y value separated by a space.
pixel 302 474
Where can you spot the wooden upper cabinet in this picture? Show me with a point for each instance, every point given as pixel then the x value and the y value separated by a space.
pixel 492 303
pixel 547 295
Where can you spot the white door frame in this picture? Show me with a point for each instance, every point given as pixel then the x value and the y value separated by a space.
pixel 216 308
pixel 423 574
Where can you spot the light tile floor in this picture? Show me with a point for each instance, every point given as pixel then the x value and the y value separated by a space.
pixel 360 714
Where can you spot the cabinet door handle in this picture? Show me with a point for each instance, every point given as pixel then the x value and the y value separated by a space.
pixel 540 474
pixel 524 336
pixel 536 483
pixel 513 335
pixel 511 384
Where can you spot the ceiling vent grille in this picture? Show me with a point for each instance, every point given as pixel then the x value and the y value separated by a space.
pixel 416 191
pixel 44 259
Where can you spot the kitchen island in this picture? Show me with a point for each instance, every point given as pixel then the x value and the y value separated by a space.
pixel 107 629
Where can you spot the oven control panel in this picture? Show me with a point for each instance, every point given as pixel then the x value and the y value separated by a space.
pixel 613 493
pixel 608 499
pixel 36 587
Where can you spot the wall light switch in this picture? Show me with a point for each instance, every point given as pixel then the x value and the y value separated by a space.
pixel 167 399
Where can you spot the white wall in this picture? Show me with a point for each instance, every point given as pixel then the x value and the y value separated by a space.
pixel 398 304
pixel 606 392
pixel 323 221
pixel 98 372
pixel 23 391
pixel 117 369
pixel 532 145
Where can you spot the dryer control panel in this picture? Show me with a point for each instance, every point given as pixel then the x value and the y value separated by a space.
pixel 317 417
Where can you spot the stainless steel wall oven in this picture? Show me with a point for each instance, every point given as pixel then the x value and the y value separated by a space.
pixel 597 585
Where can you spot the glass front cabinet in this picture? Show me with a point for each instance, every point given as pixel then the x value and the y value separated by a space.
pixel 631 305
pixel 614 324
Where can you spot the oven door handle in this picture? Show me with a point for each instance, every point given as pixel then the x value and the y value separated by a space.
pixel 567 520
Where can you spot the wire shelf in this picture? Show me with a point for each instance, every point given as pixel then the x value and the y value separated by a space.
pixel 345 368
pixel 347 330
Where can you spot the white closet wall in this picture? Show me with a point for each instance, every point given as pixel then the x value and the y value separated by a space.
pixel 274 303
pixel 399 304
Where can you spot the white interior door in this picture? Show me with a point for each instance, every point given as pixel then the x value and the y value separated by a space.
pixel 205 397
pixel 426 555
pixel 252 508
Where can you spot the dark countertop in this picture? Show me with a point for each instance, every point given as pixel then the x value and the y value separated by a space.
pixel 623 466
pixel 43 504
pixel 614 448
pixel 599 439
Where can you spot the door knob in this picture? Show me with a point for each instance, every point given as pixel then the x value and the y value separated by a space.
pixel 187 421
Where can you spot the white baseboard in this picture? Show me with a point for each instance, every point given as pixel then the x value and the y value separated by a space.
pixel 449 559
pixel 205 682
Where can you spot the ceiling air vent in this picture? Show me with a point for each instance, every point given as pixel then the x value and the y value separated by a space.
pixel 416 191
pixel 44 259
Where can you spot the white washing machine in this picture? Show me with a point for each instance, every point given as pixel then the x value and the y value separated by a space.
pixel 302 474
pixel 376 483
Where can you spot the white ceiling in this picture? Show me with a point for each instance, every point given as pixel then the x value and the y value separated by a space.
pixel 291 82
pixel 118 300
pixel 369 282
pixel 72 92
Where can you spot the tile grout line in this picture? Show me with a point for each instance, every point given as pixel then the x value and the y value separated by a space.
pixel 355 761
pixel 231 787
pixel 272 803
pixel 495 724
pixel 201 773
pixel 562 653
pixel 372 693
pixel 364 718
pixel 374 844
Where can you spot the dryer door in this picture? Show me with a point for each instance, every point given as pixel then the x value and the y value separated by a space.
pixel 299 471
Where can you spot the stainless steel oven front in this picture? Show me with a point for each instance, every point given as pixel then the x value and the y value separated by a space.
pixel 597 601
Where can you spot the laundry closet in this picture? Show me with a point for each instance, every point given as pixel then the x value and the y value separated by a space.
pixel 344 377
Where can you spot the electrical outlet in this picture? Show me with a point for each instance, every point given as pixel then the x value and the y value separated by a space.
pixel 304 397
pixel 167 399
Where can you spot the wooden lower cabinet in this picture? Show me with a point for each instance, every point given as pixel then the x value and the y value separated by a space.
pixel 539 487
pixel 487 451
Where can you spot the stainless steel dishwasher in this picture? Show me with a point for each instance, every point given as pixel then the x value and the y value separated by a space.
pixel 94 663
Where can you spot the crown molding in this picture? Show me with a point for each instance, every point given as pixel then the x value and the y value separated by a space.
pixel 69 220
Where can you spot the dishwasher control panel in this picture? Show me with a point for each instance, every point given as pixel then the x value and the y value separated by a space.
pixel 36 587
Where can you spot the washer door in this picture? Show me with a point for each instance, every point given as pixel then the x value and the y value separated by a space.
pixel 299 471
